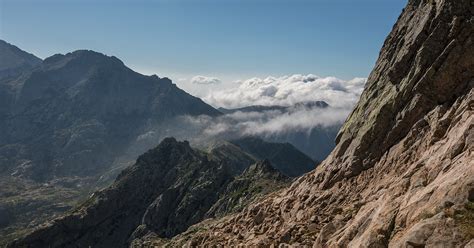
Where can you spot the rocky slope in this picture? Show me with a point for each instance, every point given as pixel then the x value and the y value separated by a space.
pixel 402 173
pixel 168 189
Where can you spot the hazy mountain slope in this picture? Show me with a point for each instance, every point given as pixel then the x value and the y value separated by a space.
pixel 316 143
pixel 14 61
pixel 168 189
pixel 261 108
pixel 284 156
pixel 78 111
pixel 402 173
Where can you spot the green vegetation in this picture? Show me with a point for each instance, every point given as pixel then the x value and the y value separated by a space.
pixel 465 219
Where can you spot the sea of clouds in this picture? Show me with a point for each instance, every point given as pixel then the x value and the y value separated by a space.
pixel 341 95
pixel 288 90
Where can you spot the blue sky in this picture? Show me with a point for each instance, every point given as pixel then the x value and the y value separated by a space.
pixel 228 39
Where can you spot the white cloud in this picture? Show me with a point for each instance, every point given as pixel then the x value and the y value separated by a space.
pixel 205 80
pixel 288 90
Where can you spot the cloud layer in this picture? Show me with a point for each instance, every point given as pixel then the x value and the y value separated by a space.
pixel 288 90
pixel 266 123
pixel 205 80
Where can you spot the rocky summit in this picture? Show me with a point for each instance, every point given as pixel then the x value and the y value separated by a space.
pixel 402 173
pixel 168 189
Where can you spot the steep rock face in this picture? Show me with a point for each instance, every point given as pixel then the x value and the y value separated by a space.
pixel 402 173
pixel 168 189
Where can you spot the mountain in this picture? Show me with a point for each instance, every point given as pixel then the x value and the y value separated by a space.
pixel 284 156
pixel 168 189
pixel 316 143
pixel 15 61
pixel 262 108
pixel 402 172
pixel 65 121
pixel 76 112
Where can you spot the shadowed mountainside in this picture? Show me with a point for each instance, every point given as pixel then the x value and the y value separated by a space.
pixel 168 189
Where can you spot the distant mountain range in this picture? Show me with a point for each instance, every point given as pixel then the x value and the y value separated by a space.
pixel 263 108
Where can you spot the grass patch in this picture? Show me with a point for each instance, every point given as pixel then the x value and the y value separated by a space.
pixel 426 215
pixel 465 220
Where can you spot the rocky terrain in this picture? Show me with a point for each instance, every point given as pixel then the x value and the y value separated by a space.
pixel 168 189
pixel 402 172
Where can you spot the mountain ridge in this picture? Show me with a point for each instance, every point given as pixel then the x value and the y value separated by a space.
pixel 168 189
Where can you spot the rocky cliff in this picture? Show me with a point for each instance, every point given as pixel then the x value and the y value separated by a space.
pixel 402 173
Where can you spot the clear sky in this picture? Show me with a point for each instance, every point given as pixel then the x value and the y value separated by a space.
pixel 228 39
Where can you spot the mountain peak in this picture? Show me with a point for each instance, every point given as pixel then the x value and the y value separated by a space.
pixel 14 60
pixel 84 57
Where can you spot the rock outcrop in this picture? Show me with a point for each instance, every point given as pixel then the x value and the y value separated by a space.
pixel 168 189
pixel 402 173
